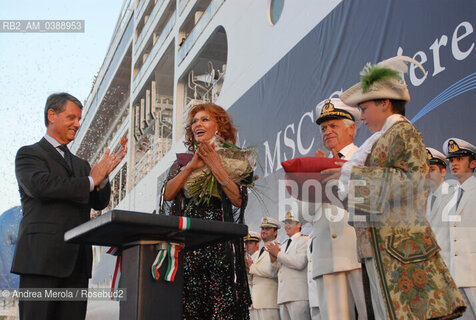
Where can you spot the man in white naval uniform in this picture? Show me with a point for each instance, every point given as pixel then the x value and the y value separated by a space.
pixel 441 203
pixel 264 289
pixel 462 157
pixel 335 261
pixel 291 260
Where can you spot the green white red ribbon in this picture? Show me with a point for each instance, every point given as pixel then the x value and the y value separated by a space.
pixel 184 223
pixel 170 250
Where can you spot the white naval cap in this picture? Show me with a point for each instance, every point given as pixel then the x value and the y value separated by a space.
pixel 436 157
pixel 334 108
pixel 455 147
pixel 268 222
pixel 290 217
pixel 253 236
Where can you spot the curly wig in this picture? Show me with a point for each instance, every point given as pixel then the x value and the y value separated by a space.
pixel 226 130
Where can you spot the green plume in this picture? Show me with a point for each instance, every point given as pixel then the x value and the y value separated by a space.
pixel 374 73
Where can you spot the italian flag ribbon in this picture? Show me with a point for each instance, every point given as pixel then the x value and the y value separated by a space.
pixel 184 223
pixel 116 278
pixel 171 251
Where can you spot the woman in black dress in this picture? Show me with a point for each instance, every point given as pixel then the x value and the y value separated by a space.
pixel 215 277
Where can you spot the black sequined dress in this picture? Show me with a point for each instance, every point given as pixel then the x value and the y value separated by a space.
pixel 215 282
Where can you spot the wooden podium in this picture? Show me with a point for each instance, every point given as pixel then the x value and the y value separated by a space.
pixel 138 234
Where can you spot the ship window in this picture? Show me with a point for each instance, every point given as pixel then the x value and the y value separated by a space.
pixel 275 8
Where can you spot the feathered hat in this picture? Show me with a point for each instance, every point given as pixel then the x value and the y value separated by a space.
pixel 383 80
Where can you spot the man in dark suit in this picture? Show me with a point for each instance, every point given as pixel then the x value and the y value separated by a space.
pixel 57 191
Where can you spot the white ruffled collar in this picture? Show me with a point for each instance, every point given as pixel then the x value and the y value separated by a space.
pixel 359 157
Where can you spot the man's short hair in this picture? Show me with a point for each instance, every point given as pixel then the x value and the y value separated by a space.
pixel 57 102
pixel 398 106
pixel 349 123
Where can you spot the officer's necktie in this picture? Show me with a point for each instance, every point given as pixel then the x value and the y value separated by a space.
pixel 340 155
pixel 433 198
pixel 260 252
pixel 287 245
pixel 460 195
pixel 67 155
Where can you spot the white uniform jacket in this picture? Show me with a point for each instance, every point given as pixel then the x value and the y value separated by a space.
pixel 438 216
pixel 264 288
pixel 292 274
pixel 254 256
pixel 335 244
pixel 463 234
pixel 311 284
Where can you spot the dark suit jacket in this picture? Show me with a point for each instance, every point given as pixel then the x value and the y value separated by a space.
pixel 54 199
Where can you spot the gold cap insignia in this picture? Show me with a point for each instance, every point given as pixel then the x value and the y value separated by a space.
pixel 290 217
pixel 328 107
pixel 453 146
pixel 430 156
pixel 251 237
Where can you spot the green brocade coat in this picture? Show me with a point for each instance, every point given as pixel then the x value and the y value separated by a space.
pixel 390 193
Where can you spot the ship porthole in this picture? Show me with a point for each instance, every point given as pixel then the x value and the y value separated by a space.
pixel 274 10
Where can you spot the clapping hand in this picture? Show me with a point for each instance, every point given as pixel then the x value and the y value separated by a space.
pixel 206 151
pixel 273 249
pixel 117 157
pixel 248 261
pixel 320 153
pixel 101 169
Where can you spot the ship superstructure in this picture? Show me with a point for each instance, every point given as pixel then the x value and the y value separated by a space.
pixel 269 62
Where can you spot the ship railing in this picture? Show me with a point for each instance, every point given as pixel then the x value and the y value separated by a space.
pixel 156 151
pixel 181 6
pixel 205 19
pixel 157 46
pixel 140 9
pixel 147 29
